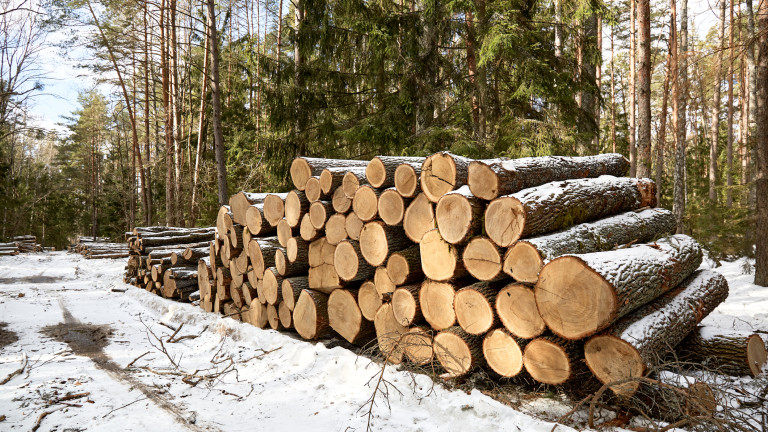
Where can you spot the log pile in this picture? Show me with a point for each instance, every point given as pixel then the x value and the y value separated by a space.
pixel 164 260
pixel 558 266
pixel 100 248
pixel 9 249
pixel 27 244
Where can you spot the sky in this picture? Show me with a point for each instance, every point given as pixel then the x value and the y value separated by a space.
pixel 65 80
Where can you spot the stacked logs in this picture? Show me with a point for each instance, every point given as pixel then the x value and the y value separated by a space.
pixel 561 267
pixel 27 244
pixel 100 248
pixel 9 249
pixel 164 260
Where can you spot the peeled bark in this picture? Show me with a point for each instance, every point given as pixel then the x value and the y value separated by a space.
pixel 579 295
pixel 724 351
pixel 524 260
pixel 380 171
pixel 489 180
pixel 560 205
pixel 636 343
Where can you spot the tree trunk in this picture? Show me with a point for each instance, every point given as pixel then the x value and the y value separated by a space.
pixel 579 295
pixel 662 139
pixel 634 345
pixel 761 179
pixel 714 133
pixel 681 94
pixel 218 135
pixel 644 93
pixel 731 106
pixel 632 91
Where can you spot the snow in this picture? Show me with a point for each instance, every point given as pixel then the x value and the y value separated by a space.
pixel 260 379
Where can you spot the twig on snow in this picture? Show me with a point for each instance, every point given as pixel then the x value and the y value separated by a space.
pixel 18 371
pixel 136 359
pixel 121 407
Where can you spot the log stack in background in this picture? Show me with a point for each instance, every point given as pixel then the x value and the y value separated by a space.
pixel 100 248
pixel 9 249
pixel 559 266
pixel 164 260
pixel 27 244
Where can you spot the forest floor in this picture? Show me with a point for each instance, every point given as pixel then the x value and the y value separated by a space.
pixel 98 354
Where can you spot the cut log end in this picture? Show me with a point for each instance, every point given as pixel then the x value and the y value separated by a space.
pixel 454 215
pixel 312 189
pixel 756 354
pixel 483 181
pixel 295 205
pixel 335 229
pixel 516 308
pixel 504 220
pixel 611 359
pixel 474 312
pixel 368 300
pixel 419 218
pixel 300 173
pixel 384 283
pixel 438 257
pixel 482 259
pixel 418 346
pixel 374 243
pixel 310 315
pixel 350 184
pixel 405 306
pixel 353 226
pixel 274 209
pixel 254 220
pixel 376 172
pixel 523 262
pixel 502 353
pixel 573 299
pixel 341 203
pixel 547 362
pixel 346 261
pixel 406 180
pixel 438 176
pixel 391 207
pixel 319 212
pixel 344 315
pixel 436 301
pixel 365 203
pixel 285 315
pixel 389 334
pixel 456 352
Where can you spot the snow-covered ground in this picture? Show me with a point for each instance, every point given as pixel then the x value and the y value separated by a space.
pixel 78 336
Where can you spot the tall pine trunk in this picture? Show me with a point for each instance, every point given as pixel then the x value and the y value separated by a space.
pixel 729 149
pixel 761 180
pixel 218 134
pixel 680 127
pixel 644 91
pixel 632 92
pixel 714 132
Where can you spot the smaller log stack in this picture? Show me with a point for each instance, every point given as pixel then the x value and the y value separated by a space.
pixel 9 249
pixel 27 244
pixel 164 260
pixel 558 266
pixel 100 248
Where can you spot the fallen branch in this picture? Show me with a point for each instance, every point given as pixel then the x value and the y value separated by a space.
pixel 44 415
pixel 136 359
pixel 121 407
pixel 24 361
pixel 69 397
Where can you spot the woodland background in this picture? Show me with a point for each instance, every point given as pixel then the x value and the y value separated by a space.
pixel 208 98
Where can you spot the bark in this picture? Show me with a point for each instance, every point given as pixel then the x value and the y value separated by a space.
pixel 714 132
pixel 560 205
pixel 662 135
pixel 723 351
pixel 637 343
pixel 644 93
pixel 632 113
pixel 681 97
pixel 761 178
pixel 731 106
pixel 579 295
pixel 524 260
pixel 491 179
pixel 218 135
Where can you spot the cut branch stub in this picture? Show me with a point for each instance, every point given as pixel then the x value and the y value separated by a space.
pixel 559 205
pixel 503 353
pixel 524 260
pixel 636 343
pixel 490 179
pixel 579 295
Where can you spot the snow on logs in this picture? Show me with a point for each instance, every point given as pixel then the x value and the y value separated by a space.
pixel 506 264
pixel 579 295
pixel 558 205
pixel 636 343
